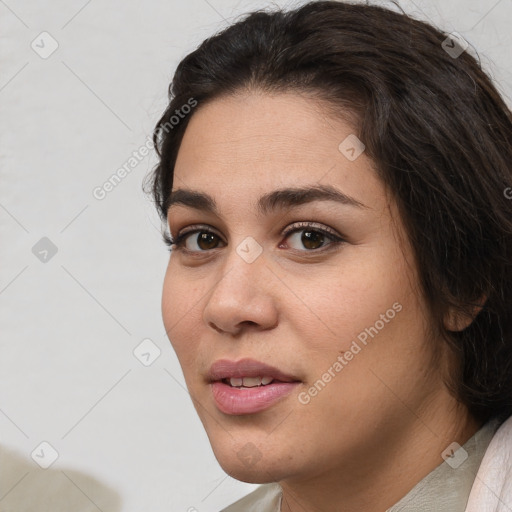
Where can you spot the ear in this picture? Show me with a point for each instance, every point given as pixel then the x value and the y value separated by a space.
pixel 455 320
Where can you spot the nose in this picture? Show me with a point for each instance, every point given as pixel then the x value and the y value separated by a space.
pixel 243 296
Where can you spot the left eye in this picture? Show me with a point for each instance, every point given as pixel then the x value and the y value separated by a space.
pixel 309 238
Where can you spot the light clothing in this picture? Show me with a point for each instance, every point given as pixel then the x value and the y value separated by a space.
pixel 447 487
pixel 266 498
pixel 481 483
pixel 492 490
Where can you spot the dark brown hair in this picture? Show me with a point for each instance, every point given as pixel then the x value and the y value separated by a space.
pixel 437 130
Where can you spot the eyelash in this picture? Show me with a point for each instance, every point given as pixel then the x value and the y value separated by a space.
pixel 178 243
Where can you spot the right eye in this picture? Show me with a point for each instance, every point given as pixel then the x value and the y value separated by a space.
pixel 204 240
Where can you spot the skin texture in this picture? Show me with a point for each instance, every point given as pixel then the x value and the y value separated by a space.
pixel 380 425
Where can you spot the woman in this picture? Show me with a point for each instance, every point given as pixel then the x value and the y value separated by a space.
pixel 335 182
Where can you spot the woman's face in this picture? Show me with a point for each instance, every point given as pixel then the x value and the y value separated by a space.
pixel 315 286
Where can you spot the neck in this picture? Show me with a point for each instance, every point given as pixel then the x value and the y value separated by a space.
pixel 378 479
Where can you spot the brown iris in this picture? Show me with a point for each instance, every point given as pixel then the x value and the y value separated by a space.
pixel 208 239
pixel 311 238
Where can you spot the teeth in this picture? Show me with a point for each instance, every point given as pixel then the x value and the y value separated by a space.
pixel 250 382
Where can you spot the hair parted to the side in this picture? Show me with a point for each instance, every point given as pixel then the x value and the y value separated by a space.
pixel 439 135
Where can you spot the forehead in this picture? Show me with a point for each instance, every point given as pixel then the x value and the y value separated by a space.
pixel 249 144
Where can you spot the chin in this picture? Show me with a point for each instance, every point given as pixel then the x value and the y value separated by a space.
pixel 244 461
pixel 249 476
pixel 260 473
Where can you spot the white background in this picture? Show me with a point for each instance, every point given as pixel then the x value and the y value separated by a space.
pixel 127 435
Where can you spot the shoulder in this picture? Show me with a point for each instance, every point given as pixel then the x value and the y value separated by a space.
pixel 492 488
pixel 266 498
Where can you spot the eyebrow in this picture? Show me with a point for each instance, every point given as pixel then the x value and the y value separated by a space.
pixel 277 199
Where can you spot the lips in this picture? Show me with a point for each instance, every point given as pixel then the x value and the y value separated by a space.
pixel 248 386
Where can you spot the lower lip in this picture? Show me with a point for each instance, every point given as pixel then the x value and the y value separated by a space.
pixel 231 400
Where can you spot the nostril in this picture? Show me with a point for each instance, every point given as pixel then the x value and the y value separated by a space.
pixel 213 326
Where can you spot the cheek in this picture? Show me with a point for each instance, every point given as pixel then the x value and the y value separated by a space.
pixel 385 355
pixel 375 384
pixel 370 312
pixel 181 314
pixel 363 293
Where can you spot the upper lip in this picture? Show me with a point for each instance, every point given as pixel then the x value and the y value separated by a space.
pixel 226 369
